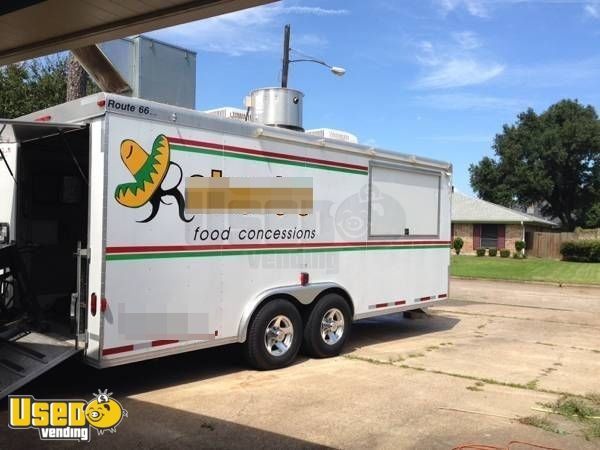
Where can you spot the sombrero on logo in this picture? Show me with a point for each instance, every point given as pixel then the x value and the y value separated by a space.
pixel 148 171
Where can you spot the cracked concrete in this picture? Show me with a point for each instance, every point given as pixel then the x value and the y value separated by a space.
pixel 482 360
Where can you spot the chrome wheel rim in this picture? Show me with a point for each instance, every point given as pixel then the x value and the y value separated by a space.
pixel 279 335
pixel 332 326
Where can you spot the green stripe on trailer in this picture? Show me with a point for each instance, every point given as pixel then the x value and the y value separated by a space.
pixel 206 254
pixel 265 159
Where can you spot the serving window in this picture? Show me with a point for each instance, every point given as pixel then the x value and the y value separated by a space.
pixel 403 202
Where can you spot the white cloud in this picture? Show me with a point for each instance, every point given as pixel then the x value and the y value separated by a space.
pixel 467 101
pixel 467 40
pixel 310 40
pixel 460 72
pixel 592 9
pixel 315 10
pixel 555 74
pixel 427 55
pixel 476 8
pixel 247 31
pixel 482 8
pixel 451 65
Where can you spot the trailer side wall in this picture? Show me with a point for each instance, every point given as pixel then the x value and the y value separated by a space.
pixel 179 280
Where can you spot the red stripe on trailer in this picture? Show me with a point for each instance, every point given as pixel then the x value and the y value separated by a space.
pixel 250 151
pixel 112 351
pixel 424 299
pixel 386 305
pixel 379 243
pixel 443 296
pixel 163 342
pixel 175 248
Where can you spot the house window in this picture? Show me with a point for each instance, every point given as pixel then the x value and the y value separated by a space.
pixel 489 236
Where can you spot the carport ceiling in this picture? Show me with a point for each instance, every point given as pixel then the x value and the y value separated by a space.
pixel 31 28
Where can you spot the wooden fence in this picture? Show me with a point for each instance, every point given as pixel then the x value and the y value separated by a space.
pixel 547 244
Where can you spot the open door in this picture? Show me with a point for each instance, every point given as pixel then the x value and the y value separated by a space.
pixel 43 264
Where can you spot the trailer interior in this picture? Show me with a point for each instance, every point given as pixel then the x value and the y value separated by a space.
pixel 40 270
pixel 52 217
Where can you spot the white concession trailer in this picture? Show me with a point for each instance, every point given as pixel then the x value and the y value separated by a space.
pixel 132 230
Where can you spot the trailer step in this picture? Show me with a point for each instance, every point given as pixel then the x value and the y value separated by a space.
pixel 14 368
pixel 27 351
pixel 29 356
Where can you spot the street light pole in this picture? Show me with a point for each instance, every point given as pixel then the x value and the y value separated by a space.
pixel 285 67
pixel 286 56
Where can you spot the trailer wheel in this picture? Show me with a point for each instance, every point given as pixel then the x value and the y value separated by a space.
pixel 274 335
pixel 327 327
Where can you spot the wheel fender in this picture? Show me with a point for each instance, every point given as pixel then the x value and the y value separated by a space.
pixel 303 294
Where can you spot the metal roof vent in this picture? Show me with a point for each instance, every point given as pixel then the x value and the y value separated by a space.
pixel 277 107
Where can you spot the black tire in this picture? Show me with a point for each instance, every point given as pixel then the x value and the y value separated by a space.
pixel 255 347
pixel 314 344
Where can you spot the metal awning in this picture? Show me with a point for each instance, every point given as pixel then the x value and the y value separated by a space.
pixel 32 28
pixel 14 130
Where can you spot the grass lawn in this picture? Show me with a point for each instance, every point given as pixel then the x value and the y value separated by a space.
pixel 530 269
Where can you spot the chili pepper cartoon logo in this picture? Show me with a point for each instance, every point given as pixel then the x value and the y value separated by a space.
pixel 149 171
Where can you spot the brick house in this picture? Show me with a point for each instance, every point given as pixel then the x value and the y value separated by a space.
pixel 484 224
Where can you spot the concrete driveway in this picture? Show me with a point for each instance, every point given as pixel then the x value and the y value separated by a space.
pixel 466 374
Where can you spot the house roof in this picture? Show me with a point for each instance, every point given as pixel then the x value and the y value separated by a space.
pixel 467 209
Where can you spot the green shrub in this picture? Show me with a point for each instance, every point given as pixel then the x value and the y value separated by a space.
pixel 457 245
pixel 504 253
pixel 519 246
pixel 492 251
pixel 480 251
pixel 581 251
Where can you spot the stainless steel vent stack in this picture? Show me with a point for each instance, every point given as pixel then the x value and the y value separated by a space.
pixel 277 107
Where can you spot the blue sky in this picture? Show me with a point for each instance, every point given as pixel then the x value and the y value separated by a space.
pixel 436 78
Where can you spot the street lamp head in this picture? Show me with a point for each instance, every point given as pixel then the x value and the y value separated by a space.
pixel 339 71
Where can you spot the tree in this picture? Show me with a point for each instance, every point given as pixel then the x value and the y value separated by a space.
pixel 551 159
pixel 592 217
pixel 13 90
pixel 489 180
pixel 76 79
pixel 32 85
pixel 40 83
